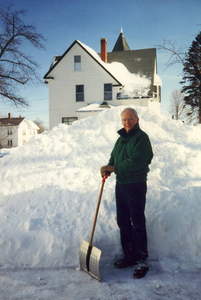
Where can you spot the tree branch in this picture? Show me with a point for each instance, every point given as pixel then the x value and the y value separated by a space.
pixel 16 66
pixel 177 54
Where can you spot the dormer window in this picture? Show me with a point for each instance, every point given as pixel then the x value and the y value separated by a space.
pixel 77 63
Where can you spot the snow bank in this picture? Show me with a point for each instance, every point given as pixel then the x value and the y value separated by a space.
pixel 50 186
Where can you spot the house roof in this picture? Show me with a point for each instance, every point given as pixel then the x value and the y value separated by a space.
pixel 11 121
pixel 90 52
pixel 17 122
pixel 121 43
pixel 140 62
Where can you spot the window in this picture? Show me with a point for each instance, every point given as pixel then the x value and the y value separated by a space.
pixel 10 143
pixel 10 131
pixel 24 132
pixel 155 90
pixel 79 93
pixel 107 91
pixel 68 121
pixel 77 63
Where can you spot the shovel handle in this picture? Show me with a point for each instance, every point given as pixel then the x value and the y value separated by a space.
pixel 104 178
pixel 97 209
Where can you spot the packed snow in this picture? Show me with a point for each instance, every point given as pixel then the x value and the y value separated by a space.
pixel 49 192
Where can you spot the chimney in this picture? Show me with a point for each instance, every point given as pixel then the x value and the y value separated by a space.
pixel 104 50
pixel 9 115
pixel 20 116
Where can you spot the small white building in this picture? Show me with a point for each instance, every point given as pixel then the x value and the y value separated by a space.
pixel 81 77
pixel 15 132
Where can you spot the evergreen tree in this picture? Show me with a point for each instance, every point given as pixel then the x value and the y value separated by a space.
pixel 192 78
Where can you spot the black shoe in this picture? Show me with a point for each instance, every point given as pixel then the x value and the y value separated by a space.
pixel 124 263
pixel 141 270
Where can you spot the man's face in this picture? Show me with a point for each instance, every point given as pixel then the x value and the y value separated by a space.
pixel 129 120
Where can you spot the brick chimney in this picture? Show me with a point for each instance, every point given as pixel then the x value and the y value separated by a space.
pixel 9 115
pixel 104 50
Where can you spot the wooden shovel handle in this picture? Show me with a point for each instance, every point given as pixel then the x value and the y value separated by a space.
pixel 97 209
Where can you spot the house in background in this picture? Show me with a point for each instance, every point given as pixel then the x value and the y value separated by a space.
pixel 15 132
pixel 81 77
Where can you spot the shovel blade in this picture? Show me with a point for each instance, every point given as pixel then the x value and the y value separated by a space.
pixel 89 259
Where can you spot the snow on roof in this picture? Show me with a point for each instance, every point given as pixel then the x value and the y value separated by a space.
pixel 96 106
pixel 131 82
pixel 157 80
pixel 32 125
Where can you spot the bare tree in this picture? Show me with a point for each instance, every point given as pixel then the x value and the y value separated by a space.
pixel 191 61
pixel 40 124
pixel 178 108
pixel 2 134
pixel 177 55
pixel 16 67
pixel 2 137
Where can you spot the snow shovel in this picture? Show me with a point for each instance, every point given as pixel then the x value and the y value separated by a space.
pixel 90 255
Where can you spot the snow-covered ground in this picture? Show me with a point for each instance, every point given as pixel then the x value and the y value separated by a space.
pixel 48 196
pixel 70 284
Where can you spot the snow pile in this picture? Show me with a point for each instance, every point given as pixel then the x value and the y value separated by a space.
pixel 50 187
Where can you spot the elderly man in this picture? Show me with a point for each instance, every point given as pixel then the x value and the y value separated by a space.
pixel 130 159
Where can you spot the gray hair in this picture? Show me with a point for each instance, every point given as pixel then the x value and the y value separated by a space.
pixel 130 109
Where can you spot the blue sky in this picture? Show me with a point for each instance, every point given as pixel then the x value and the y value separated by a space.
pixel 145 24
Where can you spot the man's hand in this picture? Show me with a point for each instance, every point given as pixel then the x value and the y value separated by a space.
pixel 106 170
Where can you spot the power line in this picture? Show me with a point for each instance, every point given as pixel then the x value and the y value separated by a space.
pixel 38 100
pixel 27 112
pixel 35 111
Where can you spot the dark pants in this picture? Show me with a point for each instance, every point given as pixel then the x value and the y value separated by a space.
pixel 130 203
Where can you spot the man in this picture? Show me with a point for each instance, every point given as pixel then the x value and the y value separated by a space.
pixel 130 159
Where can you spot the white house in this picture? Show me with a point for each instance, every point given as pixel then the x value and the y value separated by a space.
pixel 81 77
pixel 15 132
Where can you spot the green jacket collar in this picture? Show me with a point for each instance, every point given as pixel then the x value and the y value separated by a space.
pixel 123 133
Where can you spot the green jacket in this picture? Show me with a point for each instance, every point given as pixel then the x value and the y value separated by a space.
pixel 131 155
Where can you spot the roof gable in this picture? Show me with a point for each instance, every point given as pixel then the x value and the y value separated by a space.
pixel 90 52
